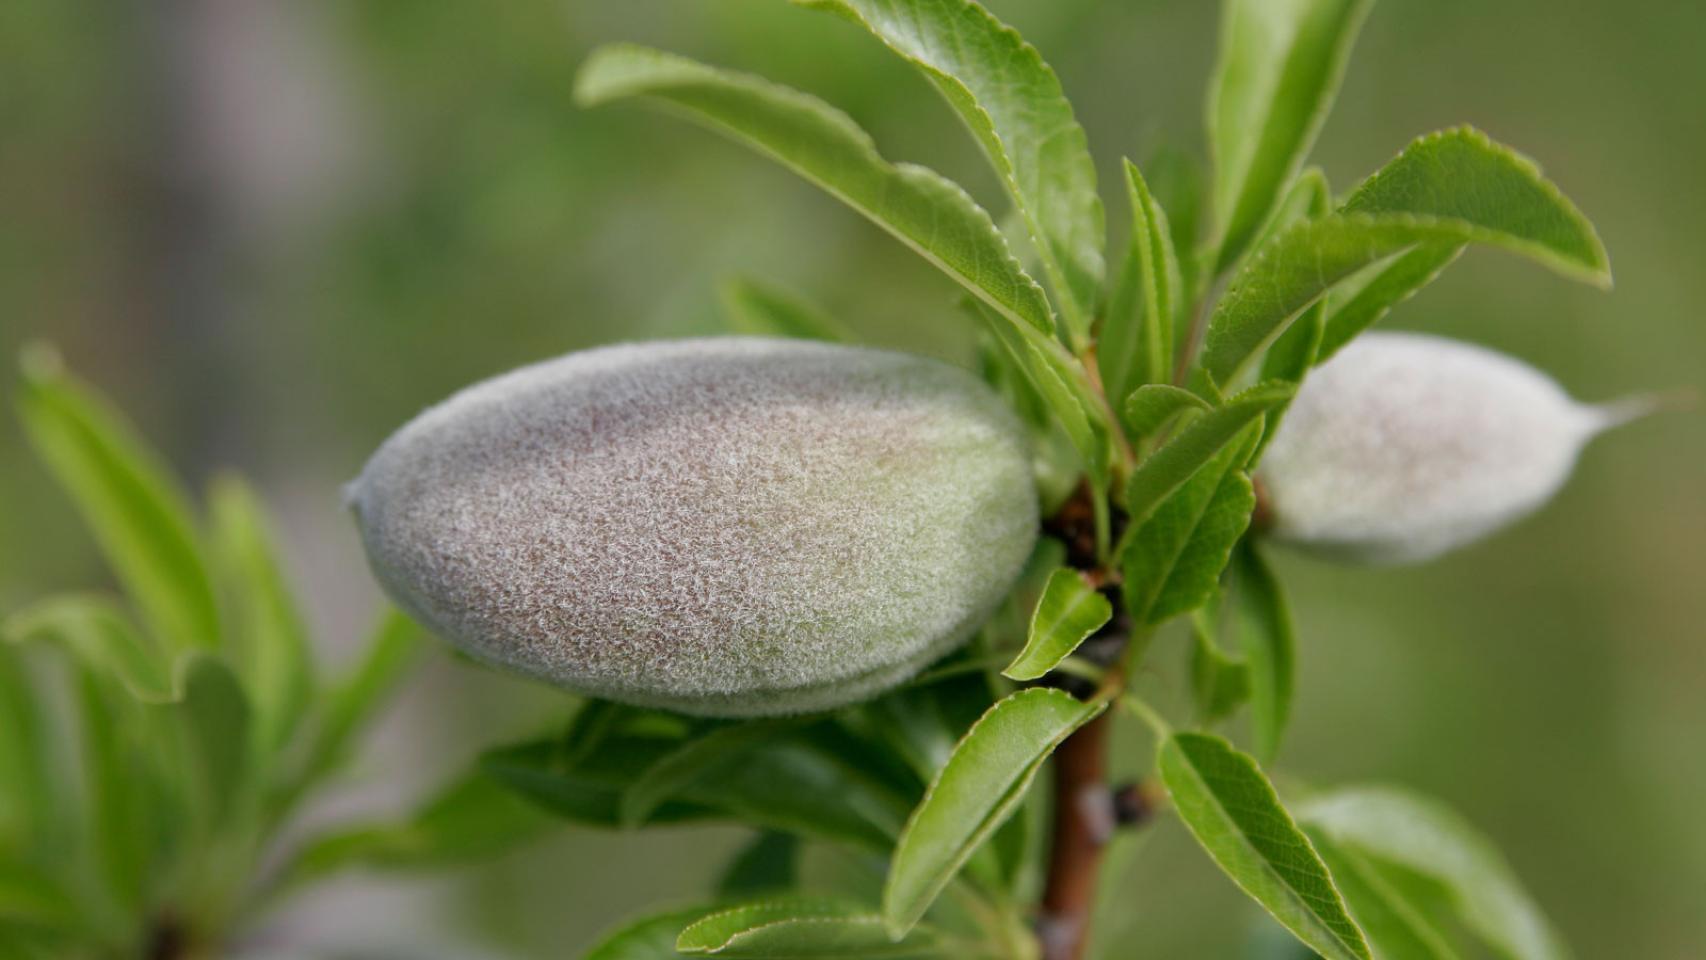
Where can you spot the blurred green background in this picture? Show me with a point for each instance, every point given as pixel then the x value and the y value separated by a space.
pixel 274 229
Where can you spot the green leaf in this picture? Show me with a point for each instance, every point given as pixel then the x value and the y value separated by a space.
pixel 1015 849
pixel 1123 325
pixel 1447 189
pixel 1158 279
pixel 598 720
pixel 766 865
pixel 139 517
pixel 1296 268
pixel 1262 620
pixel 1308 198
pixel 1013 103
pixel 28 803
pixel 1154 405
pixel 1177 180
pixel 1442 174
pixel 393 648
pixel 271 648
pixel 31 899
pixel 1069 611
pixel 1280 65
pixel 99 635
pixel 651 937
pixel 1000 370
pixel 1397 927
pixel 673 772
pixel 475 818
pixel 1060 382
pixel 797 929
pixel 793 785
pixel 1461 174
pixel 759 309
pixel 1172 561
pixel 922 724
pixel 978 789
pixel 1294 352
pixel 927 212
pixel 118 784
pixel 1354 306
pixel 1219 683
pixel 1421 835
pixel 589 791
pixel 802 787
pixel 1194 447
pixel 214 715
pixel 1232 810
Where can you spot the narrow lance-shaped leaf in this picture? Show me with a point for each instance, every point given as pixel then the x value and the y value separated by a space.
pixel 1172 561
pixel 797 928
pixel 1154 405
pixel 1446 190
pixel 1354 306
pixel 119 825
pixel 125 814
pixel 1263 625
pixel 1421 835
pixel 1192 448
pixel 1232 810
pixel 980 787
pixel 921 724
pixel 1013 103
pixel 1296 268
pixel 1397 928
pixel 803 788
pixel 1159 279
pixel 127 497
pixel 1291 356
pixel 1461 174
pixel 214 716
pixel 28 802
pixel 927 212
pixel 670 774
pixel 766 865
pixel 1180 187
pixel 99 635
pixel 473 819
pixel 1449 174
pixel 759 309
pixel 1069 611
pixel 392 649
pixel 1280 65
pixel 1294 352
pixel 272 641
pixel 587 790
pixel 794 785
pixel 1308 197
pixel 1061 385
pixel 1219 683
pixel 1121 326
pixel 651 937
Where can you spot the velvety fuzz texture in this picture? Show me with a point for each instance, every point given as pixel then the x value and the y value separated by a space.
pixel 1404 446
pixel 725 527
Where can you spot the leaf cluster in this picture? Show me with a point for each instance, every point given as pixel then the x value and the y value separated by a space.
pixel 1151 381
pixel 155 744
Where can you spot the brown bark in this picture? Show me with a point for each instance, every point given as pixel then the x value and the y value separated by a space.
pixel 1084 820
